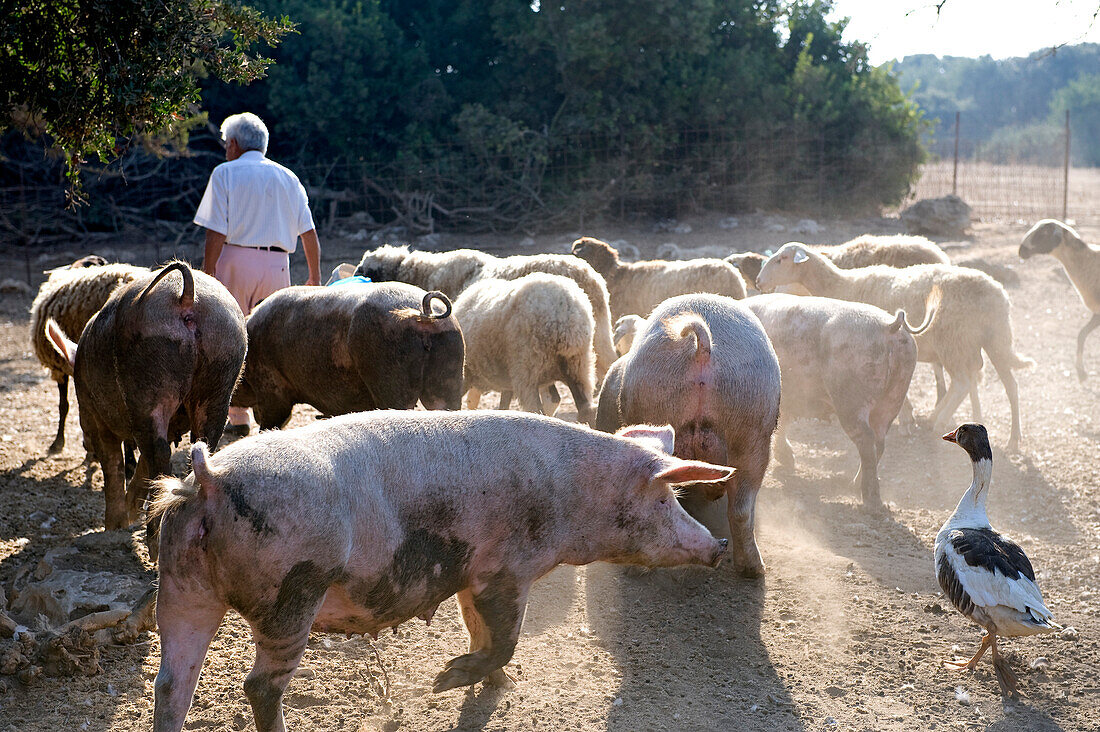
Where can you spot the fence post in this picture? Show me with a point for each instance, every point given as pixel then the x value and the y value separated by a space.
pixel 1065 174
pixel 955 171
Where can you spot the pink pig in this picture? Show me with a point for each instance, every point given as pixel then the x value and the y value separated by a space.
pixel 358 523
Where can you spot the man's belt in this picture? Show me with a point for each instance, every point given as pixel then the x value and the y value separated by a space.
pixel 262 249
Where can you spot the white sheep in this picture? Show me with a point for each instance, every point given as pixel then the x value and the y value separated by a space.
pixel 454 271
pixel 626 328
pixel 71 296
pixel 449 272
pixel 522 335
pixel 672 251
pixel 1080 260
pixel 894 250
pixel 897 250
pixel 636 288
pixel 971 315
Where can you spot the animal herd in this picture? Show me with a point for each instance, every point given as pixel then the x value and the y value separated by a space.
pixel 359 522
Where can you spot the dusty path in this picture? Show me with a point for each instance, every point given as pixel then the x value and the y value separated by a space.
pixel 846 631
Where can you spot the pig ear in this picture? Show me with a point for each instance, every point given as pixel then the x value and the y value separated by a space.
pixel 659 438
pixel 694 471
pixel 60 342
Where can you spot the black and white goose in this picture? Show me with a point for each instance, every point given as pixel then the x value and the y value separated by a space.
pixel 986 576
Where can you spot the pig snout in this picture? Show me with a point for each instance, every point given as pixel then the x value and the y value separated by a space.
pixel 694 544
pixel 722 544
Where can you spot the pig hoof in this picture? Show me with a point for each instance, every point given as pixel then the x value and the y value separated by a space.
pixel 461 671
pixel 752 571
pixel 876 508
pixel 500 679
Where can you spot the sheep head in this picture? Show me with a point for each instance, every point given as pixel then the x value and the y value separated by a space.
pixel 785 267
pixel 1046 236
pixel 601 255
pixel 383 263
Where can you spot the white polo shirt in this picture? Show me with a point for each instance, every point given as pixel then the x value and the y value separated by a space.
pixel 255 202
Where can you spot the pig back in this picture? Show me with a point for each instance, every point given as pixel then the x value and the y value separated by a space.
pixel 833 353
pixel 729 393
pixel 299 350
pixel 345 349
pixel 405 350
pixel 145 346
pixel 494 481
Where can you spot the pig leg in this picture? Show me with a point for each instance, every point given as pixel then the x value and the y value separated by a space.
pixel 493 617
pixel 208 421
pixel 272 413
pixel 154 462
pixel 859 431
pixel 741 509
pixel 108 451
pixel 473 399
pixel 130 460
pixel 784 453
pixel 906 420
pixel 187 625
pixel 505 400
pixel 479 635
pixel 58 443
pixel 276 660
pixel 281 631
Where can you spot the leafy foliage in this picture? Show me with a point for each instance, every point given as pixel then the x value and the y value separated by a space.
pixel 1082 98
pixel 1012 108
pixel 89 72
pixel 584 102
pixel 519 111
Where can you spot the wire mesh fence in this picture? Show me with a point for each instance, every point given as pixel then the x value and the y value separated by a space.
pixel 1041 185
pixel 534 183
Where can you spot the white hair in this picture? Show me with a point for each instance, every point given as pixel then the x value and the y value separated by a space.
pixel 247 129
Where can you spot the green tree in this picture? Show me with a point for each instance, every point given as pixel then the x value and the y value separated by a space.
pixel 91 75
pixel 1082 98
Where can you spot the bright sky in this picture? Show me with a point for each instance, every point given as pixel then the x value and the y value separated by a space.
pixel 1001 28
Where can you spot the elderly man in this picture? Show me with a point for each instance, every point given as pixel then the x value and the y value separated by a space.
pixel 254 210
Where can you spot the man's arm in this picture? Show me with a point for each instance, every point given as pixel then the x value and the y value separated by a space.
pixel 312 249
pixel 214 244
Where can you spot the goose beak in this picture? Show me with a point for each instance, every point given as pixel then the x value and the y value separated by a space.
pixel 950 436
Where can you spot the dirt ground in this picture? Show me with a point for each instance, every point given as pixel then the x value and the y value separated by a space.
pixel 846 631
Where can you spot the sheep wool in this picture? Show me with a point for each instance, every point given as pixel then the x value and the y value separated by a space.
pixel 522 335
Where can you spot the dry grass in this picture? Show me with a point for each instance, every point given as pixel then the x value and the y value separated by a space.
pixel 1014 193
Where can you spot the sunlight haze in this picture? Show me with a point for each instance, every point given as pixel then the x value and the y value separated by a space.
pixel 1000 28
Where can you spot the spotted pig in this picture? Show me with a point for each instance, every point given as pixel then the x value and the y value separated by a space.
pixel 360 522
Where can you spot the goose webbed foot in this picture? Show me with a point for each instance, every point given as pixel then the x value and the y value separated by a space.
pixel 988 641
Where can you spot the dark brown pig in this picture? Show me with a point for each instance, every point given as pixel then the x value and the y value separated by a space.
pixel 350 348
pixel 360 522
pixel 703 364
pixel 161 357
